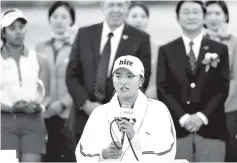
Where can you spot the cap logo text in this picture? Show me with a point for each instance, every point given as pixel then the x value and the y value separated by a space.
pixel 125 62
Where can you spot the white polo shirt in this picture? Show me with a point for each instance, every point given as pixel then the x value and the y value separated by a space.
pixel 19 84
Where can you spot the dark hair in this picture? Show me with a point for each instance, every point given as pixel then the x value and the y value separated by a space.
pixel 223 6
pixel 180 3
pixel 2 37
pixel 3 30
pixel 142 5
pixel 57 4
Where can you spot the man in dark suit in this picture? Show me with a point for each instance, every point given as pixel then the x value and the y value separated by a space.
pixel 193 81
pixel 95 49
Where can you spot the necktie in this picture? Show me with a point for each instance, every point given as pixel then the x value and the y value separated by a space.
pixel 102 71
pixel 191 56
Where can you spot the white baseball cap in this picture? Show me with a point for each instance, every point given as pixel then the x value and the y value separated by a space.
pixel 131 63
pixel 9 16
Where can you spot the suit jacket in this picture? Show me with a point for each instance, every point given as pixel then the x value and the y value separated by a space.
pixel 184 92
pixel 83 63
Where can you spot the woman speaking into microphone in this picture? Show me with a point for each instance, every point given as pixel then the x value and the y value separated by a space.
pixel 130 127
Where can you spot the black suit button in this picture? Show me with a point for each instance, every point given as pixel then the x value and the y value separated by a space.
pixel 188 102
pixel 192 85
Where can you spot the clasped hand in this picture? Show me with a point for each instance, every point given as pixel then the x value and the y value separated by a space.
pixel 26 107
pixel 193 123
pixel 112 151
pixel 89 106
pixel 55 108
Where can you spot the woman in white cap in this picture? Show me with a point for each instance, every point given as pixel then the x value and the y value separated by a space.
pixel 23 83
pixel 130 127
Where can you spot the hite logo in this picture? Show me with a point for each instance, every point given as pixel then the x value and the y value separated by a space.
pixel 126 113
pixel 125 62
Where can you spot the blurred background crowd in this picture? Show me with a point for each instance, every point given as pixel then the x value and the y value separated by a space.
pixel 162 24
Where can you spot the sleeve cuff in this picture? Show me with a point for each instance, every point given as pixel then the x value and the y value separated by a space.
pixel 203 117
pixel 42 107
pixel 183 119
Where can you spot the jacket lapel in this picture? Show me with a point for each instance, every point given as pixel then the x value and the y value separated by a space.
pixel 96 44
pixel 123 42
pixel 203 50
pixel 180 49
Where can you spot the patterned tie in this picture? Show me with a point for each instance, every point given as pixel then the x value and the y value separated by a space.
pixel 191 56
pixel 102 71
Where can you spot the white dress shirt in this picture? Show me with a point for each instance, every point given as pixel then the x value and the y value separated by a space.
pixel 19 84
pixel 196 44
pixel 115 40
pixel 196 48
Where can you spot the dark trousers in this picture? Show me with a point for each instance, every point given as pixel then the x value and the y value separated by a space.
pixel 231 118
pixel 195 148
pixel 61 143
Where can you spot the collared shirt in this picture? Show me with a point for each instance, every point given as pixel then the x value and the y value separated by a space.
pixel 5 54
pixel 19 84
pixel 196 44
pixel 115 40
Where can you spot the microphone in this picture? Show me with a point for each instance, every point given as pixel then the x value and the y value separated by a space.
pixel 127 114
pixel 126 111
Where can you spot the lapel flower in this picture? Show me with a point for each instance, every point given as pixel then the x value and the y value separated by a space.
pixel 210 60
pixel 125 37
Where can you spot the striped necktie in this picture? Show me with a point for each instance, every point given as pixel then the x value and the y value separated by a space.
pixel 102 71
pixel 191 56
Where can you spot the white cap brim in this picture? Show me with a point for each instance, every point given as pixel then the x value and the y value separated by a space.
pixel 9 18
pixel 134 72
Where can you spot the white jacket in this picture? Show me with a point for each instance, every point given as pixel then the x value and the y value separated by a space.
pixel 155 138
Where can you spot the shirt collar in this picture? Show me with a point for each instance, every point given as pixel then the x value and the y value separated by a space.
pixel 67 39
pixel 196 41
pixel 139 109
pixel 5 52
pixel 106 30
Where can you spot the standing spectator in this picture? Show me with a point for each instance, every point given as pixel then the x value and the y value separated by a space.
pixel 61 142
pixel 95 48
pixel 217 19
pixel 138 17
pixel 193 81
pixel 23 90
